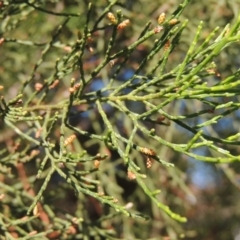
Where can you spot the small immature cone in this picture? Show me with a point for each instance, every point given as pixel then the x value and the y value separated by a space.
pixel 167 45
pixel 227 31
pixel 77 86
pixel 71 230
pixel 2 196
pixel 71 90
pixel 111 63
pixel 161 118
pixel 158 29
pixel 173 21
pixel 147 151
pixel 69 140
pixel 38 133
pixel 67 48
pixel 32 233
pixel 112 18
pixel 149 162
pixel 131 175
pixel 54 84
pixel 161 18
pixel 214 71
pixel 74 88
pixel 34 153
pixel 35 211
pixel 123 24
pixel 96 164
pixel 38 86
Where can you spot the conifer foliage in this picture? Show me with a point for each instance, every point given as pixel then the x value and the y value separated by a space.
pixel 103 107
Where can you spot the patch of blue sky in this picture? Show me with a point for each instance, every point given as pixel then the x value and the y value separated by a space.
pixel 237 113
pixel 202 174
pixel 97 85
pixel 127 75
pixel 225 124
